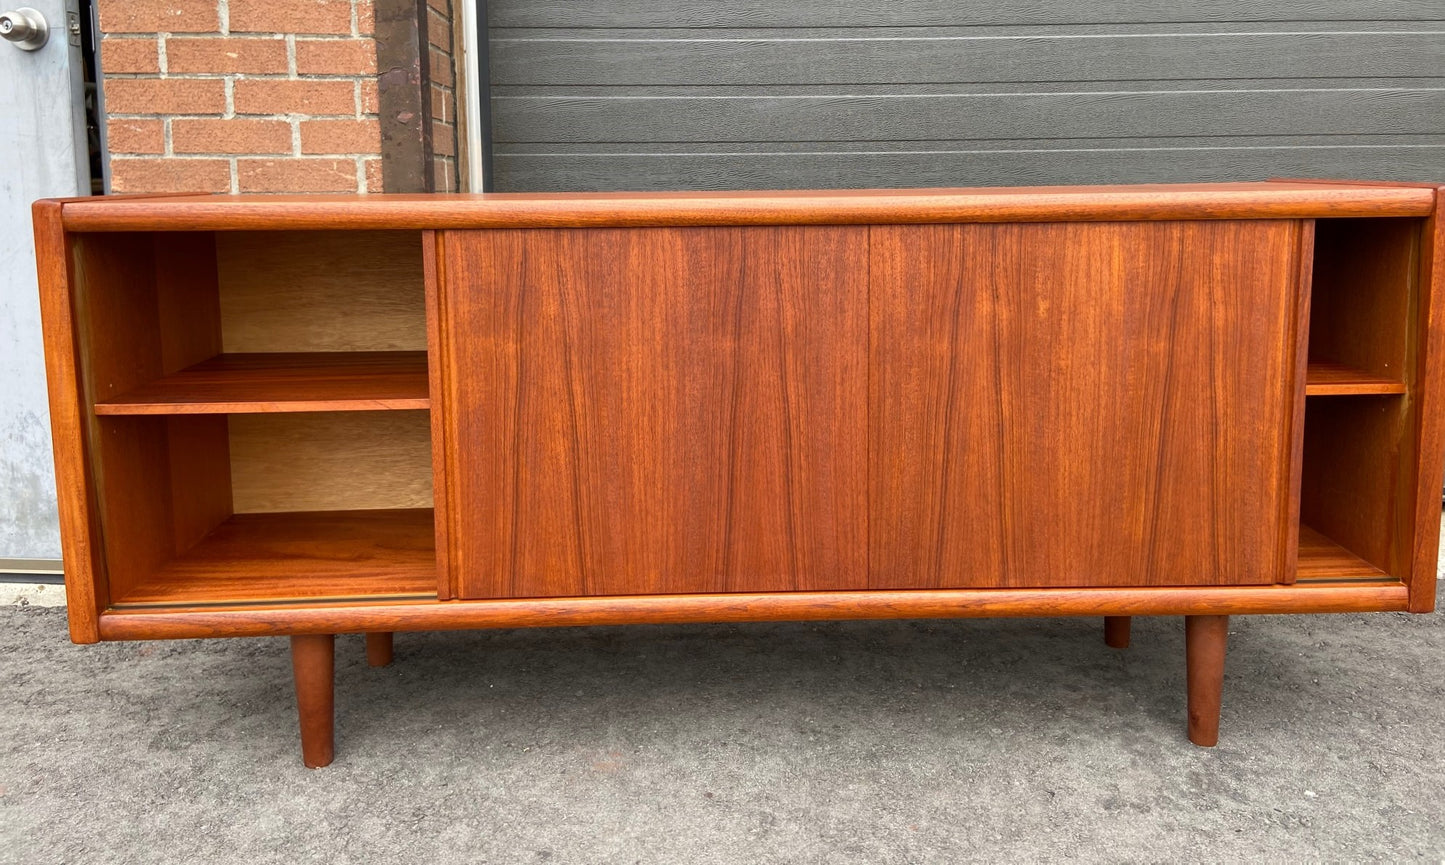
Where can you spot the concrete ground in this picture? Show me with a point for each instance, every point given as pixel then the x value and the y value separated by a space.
pixel 874 742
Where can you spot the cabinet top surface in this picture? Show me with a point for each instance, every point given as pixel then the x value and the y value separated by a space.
pixel 1280 200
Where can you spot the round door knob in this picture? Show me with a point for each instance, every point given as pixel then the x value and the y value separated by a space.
pixel 25 27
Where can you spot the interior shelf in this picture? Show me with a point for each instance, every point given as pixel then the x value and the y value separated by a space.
pixel 1322 559
pixel 283 382
pixel 268 557
pixel 1326 378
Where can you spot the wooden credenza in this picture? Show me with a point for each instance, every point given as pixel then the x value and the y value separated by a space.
pixel 316 415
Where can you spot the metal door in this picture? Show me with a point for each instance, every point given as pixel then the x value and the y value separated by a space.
pixel 750 94
pixel 42 154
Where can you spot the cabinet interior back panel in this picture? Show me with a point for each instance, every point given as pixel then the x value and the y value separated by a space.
pixel 330 461
pixel 321 291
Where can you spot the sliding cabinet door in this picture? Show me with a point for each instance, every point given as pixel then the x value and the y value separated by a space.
pixel 1106 404
pixel 654 410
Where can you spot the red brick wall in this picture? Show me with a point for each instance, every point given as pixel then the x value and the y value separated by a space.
pixel 443 93
pixel 253 95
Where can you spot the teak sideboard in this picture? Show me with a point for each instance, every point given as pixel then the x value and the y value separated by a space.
pixel 316 415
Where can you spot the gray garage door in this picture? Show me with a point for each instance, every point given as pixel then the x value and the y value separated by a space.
pixel 730 94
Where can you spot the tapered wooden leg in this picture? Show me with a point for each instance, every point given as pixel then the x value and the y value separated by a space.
pixel 1204 643
pixel 313 660
pixel 378 649
pixel 1116 631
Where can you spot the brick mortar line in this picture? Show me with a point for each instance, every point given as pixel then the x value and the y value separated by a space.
pixel 304 34
pixel 257 76
pixel 282 117
pixel 259 35
pixel 233 155
pixel 215 35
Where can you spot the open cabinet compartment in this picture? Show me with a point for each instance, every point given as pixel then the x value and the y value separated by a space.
pixel 259 425
pixel 1359 428
pixel 1360 304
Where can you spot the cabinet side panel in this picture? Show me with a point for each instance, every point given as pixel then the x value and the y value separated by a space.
pixel 1430 411
pixel 661 410
pixel 119 335
pixel 188 300
pixel 189 319
pixel 1082 404
pixel 85 588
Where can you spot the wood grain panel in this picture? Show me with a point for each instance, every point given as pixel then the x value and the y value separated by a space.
pixel 1081 405
pixel 331 461
pixel 321 291
pixel 658 410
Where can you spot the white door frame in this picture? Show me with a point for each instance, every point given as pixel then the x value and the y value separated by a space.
pixel 473 51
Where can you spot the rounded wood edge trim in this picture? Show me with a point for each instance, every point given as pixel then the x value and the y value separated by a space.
pixel 799 606
pixel 120 408
pixel 1261 201
pixel 1390 389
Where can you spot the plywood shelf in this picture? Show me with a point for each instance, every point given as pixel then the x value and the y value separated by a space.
pixel 299 556
pixel 1327 378
pixel 283 382
pixel 1321 559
